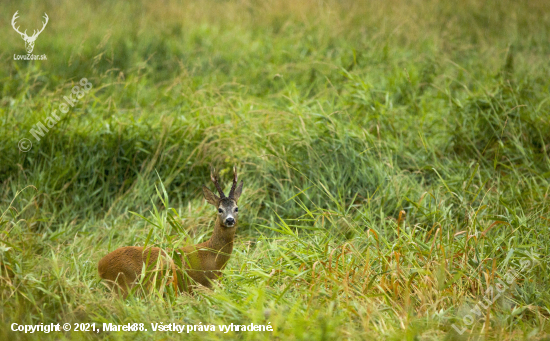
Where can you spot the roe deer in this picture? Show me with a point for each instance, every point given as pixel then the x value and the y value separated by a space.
pixel 182 268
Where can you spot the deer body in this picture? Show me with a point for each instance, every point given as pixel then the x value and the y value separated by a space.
pixel 183 268
pixel 122 268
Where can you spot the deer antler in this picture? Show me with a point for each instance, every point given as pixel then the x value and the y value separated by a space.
pixel 43 27
pixel 15 17
pixel 35 34
pixel 232 192
pixel 216 183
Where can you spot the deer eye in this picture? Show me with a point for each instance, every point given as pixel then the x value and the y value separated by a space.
pixel 220 210
pixel 236 209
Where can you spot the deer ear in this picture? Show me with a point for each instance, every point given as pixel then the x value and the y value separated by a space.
pixel 212 198
pixel 238 192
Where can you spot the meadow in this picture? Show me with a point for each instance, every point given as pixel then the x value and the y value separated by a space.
pixel 395 158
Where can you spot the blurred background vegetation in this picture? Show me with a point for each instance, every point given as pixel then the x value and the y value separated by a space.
pixel 395 156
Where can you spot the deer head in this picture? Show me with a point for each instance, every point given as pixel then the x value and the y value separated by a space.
pixel 29 41
pixel 227 206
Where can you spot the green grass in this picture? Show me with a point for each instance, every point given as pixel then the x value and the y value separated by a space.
pixel 395 158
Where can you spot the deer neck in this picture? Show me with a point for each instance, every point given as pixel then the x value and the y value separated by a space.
pixel 222 239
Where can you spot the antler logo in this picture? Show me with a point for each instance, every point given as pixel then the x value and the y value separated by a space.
pixel 29 41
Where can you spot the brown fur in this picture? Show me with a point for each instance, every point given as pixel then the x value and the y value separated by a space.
pixel 183 268
pixel 122 268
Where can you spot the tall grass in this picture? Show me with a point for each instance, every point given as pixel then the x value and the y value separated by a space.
pixel 395 157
